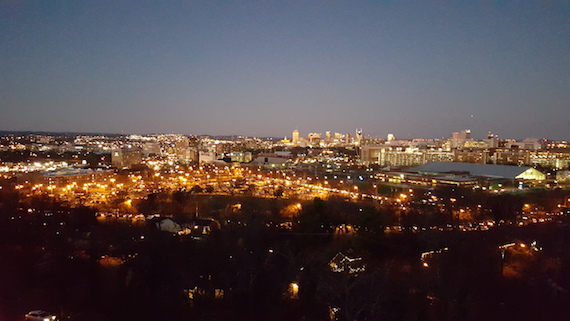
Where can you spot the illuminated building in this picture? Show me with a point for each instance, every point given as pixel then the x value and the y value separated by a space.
pixel 460 174
pixel 66 176
pixel 124 157
pixel 550 158
pixel 314 138
pixel 151 148
pixel 492 141
pixel 480 156
pixel 527 144
pixel 271 160
pixel 458 139
pixel 358 137
pixel 387 155
pixel 342 263
pixel 413 178
pixel 295 138
pixel 240 157
pixel 485 170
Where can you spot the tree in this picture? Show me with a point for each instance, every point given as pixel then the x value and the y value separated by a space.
pixel 279 191
pixel 149 205
pixel 506 207
pixel 83 216
pixel 315 218
pixel 196 189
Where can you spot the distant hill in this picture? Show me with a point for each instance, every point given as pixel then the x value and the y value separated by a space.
pixel 59 134
pixel 74 134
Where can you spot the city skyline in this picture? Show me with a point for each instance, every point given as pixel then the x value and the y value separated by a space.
pixel 290 136
pixel 416 70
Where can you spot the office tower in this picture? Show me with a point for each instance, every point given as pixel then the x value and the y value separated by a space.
pixel 295 138
pixel 314 138
pixel 358 137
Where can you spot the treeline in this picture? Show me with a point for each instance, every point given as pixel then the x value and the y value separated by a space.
pixel 257 267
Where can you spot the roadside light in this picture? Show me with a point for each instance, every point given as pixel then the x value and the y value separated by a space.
pixel 523 245
pixel 425 264
pixel 294 290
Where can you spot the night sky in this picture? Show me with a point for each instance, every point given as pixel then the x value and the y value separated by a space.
pixel 263 68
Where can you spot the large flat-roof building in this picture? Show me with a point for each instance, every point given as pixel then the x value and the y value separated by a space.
pixel 482 170
pixel 460 174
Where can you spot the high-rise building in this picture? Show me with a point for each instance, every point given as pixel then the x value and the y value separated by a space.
pixel 492 141
pixel 295 138
pixel 314 138
pixel 358 137
pixel 463 135
pixel 458 139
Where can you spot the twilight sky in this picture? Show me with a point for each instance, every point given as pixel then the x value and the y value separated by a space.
pixel 264 68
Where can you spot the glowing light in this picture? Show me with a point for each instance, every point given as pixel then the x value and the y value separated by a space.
pixel 294 290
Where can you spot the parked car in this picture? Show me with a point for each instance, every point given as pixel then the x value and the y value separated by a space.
pixel 39 315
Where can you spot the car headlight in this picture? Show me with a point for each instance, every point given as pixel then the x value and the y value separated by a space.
pixel 47 319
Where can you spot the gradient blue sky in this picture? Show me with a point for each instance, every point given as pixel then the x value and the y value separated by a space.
pixel 264 68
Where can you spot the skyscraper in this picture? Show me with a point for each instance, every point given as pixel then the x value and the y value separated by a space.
pixel 295 138
pixel 358 137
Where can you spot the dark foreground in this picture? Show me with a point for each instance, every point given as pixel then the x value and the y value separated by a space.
pixel 85 270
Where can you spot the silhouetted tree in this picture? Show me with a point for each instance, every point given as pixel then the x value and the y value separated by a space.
pixel 279 191
pixel 196 189
pixel 83 216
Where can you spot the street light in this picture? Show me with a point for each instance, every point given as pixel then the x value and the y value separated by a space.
pixel 294 290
